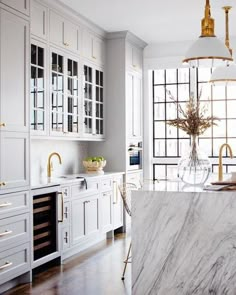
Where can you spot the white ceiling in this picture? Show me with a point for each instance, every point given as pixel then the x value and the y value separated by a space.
pixel 154 21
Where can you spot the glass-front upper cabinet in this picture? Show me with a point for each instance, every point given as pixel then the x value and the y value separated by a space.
pixel 93 102
pixel 64 95
pixel 38 89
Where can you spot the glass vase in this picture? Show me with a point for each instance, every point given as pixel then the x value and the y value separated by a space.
pixel 194 167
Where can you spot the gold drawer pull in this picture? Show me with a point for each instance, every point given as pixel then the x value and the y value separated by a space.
pixel 2 183
pixel 5 205
pixel 2 124
pixel 7 264
pixel 7 232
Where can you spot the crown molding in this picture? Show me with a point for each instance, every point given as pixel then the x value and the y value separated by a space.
pixel 128 36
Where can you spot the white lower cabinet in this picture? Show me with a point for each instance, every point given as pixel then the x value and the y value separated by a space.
pixel 88 214
pixel 118 208
pixel 85 218
pixel 14 235
pixel 107 211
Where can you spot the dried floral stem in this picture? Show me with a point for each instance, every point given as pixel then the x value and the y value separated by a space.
pixel 192 120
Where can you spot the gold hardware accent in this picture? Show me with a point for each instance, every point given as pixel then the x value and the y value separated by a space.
pixel 49 166
pixel 227 9
pixel 2 124
pixel 62 207
pixel 5 205
pixel 206 57
pixel 94 57
pixel 7 232
pixel 66 44
pixel 220 168
pixel 7 264
pixel 208 23
pixel 2 183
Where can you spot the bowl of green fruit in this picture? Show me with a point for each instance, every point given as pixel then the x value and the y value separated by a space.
pixel 94 164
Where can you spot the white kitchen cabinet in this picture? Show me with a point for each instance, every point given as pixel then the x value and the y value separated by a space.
pixel 93 102
pixel 64 33
pixel 93 48
pixel 39 26
pixel 14 57
pixel 134 58
pixel 22 6
pixel 107 211
pixel 134 105
pixel 92 215
pixel 38 93
pixel 77 220
pixel 118 208
pixel 14 159
pixel 65 99
pixel 84 218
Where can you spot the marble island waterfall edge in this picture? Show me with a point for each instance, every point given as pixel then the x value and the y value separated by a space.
pixel 183 243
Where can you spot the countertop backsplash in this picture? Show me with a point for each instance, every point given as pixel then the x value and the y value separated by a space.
pixel 71 152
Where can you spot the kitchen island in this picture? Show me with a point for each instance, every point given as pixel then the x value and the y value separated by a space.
pixel 183 241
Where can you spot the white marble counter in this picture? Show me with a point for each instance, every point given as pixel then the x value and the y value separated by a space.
pixel 183 242
pixel 64 179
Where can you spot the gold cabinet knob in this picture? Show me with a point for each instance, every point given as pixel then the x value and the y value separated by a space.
pixel 2 124
pixel 2 183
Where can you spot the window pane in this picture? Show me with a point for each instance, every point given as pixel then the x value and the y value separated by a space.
pixel 183 75
pixel 159 94
pixel 171 76
pixel 160 129
pixel 159 148
pixel 159 76
pixel 159 111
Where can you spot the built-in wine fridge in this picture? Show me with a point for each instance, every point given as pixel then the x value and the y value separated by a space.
pixel 45 203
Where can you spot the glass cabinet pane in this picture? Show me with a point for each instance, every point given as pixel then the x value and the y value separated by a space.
pixel 72 98
pixel 37 90
pixel 57 94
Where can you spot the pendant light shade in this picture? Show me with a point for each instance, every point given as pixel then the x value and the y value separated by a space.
pixel 208 50
pixel 225 75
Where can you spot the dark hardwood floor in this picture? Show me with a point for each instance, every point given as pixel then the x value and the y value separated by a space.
pixel 95 272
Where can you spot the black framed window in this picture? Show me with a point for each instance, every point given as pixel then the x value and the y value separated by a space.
pixel 169 143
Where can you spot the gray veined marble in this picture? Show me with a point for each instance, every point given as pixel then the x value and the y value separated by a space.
pixel 183 243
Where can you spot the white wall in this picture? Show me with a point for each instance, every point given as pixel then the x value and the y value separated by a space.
pixel 72 154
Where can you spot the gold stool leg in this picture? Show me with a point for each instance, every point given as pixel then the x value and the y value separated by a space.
pixel 126 261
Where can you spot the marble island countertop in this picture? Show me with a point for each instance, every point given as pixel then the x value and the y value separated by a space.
pixel 183 242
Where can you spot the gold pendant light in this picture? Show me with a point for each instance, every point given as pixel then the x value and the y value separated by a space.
pixel 225 75
pixel 208 50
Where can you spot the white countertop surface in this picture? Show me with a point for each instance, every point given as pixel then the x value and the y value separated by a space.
pixel 64 179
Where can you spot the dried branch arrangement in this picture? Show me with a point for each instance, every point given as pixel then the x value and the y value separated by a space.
pixel 193 119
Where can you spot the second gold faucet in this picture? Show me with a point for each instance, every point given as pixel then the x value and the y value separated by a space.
pixel 220 168
pixel 49 165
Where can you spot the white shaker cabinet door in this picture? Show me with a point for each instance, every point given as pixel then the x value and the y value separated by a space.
pixel 92 215
pixel 77 221
pixel 19 5
pixel 107 211
pixel 118 209
pixel 56 28
pixel 14 61
pixel 38 20
pixel 137 106
pixel 14 159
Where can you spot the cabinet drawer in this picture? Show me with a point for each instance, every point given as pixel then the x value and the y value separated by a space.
pixel 93 185
pixel 77 189
pixel 14 230
pixel 12 204
pixel 14 262
pixel 135 178
pixel 65 191
pixel 106 184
